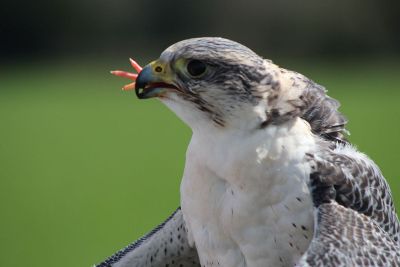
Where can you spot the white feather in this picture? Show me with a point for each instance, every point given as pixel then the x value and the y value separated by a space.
pixel 240 192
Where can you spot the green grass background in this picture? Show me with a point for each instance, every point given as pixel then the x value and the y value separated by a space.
pixel 86 168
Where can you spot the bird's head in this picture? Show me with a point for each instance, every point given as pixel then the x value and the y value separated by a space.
pixel 219 83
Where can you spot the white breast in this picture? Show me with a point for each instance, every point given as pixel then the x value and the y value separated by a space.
pixel 245 198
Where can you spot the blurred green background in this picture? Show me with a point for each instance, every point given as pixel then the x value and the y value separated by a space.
pixel 86 168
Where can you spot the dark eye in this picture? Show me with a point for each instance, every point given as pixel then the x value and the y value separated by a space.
pixel 196 68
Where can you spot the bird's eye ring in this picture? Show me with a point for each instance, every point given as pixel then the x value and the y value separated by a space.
pixel 196 68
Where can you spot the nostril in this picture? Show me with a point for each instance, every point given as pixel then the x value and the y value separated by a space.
pixel 158 69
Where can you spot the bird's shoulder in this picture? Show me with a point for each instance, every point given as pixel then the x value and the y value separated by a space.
pixel 299 96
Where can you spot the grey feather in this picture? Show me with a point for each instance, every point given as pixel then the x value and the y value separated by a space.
pixel 344 237
pixel 166 245
pixel 321 111
pixel 351 179
pixel 356 222
pixel 312 104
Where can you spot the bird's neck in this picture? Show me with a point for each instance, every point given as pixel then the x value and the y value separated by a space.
pixel 227 151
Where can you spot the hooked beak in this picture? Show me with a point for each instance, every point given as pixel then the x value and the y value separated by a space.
pixel 154 80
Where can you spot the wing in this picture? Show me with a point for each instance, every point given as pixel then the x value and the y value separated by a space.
pixel 344 237
pixel 354 181
pixel 166 245
pixel 355 219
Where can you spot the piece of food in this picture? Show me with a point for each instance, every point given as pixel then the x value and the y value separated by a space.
pixel 129 75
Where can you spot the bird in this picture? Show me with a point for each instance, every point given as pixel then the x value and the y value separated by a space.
pixel 270 177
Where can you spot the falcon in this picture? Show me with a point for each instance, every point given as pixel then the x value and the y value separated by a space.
pixel 270 178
